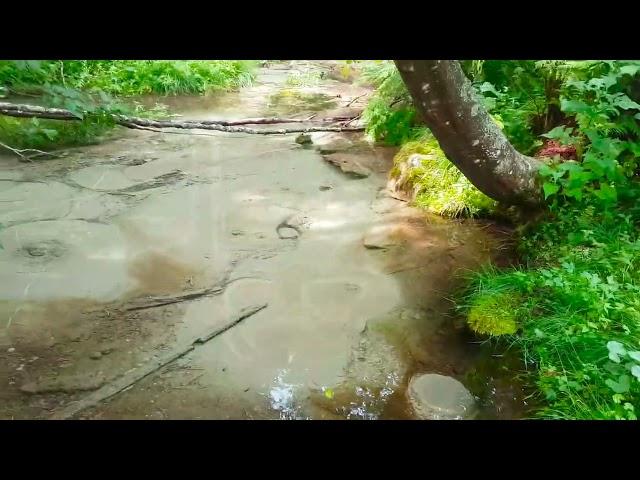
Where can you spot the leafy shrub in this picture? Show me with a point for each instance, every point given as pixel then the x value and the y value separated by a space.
pixel 129 77
pixel 390 117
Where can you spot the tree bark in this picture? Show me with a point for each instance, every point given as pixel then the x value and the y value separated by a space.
pixel 467 134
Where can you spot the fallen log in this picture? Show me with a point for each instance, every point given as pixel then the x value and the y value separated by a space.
pixel 229 126
pixel 130 378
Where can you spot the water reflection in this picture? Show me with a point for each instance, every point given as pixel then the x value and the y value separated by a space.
pixel 282 398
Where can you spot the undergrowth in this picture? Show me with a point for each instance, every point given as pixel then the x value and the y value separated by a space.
pixel 389 116
pixel 572 307
pixel 90 88
pixel 129 77
pixel 578 320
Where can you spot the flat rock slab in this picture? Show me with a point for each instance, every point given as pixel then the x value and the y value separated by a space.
pixel 438 397
pixel 379 237
pixel 350 163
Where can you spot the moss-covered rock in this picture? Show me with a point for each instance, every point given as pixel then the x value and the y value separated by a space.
pixel 422 174
pixel 494 313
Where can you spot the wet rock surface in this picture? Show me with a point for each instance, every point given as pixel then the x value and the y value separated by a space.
pixel 349 163
pixel 438 397
pixel 147 217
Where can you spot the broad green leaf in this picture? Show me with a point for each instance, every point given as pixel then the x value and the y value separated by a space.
pixel 488 87
pixel 573 106
pixel 609 81
pixel 51 134
pixel 635 355
pixel 615 349
pixel 606 193
pixel 561 133
pixel 621 386
pixel 630 69
pixel 574 193
pixel 545 170
pixel 635 371
pixel 549 189
pixel 626 103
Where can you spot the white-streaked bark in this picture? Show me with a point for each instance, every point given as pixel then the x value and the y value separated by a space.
pixel 466 132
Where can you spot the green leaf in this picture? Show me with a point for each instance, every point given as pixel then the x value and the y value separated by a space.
pixel 573 106
pixel 609 81
pixel 329 393
pixel 635 355
pixel 487 87
pixel 574 193
pixel 630 69
pixel 51 134
pixel 616 349
pixel 561 133
pixel 606 193
pixel 545 170
pixel 549 189
pixel 635 371
pixel 621 386
pixel 626 103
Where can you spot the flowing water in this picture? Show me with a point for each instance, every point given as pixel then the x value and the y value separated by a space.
pixel 156 214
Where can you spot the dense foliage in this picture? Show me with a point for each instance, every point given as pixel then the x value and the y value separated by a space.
pixel 128 77
pixel 90 89
pixel 572 307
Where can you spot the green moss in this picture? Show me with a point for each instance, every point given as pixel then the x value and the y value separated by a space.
pixel 442 188
pixel 494 314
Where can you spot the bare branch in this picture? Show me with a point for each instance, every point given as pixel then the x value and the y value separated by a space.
pixel 21 152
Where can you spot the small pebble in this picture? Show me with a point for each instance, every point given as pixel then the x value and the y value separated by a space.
pixel 95 356
pixel 11 350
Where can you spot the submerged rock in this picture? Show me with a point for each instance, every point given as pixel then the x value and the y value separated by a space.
pixel 349 163
pixel 379 237
pixel 328 143
pixel 303 139
pixel 438 397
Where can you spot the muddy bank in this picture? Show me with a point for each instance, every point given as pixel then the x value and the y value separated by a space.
pixel 356 283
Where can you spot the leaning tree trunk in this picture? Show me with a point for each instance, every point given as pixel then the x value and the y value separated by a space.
pixel 467 134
